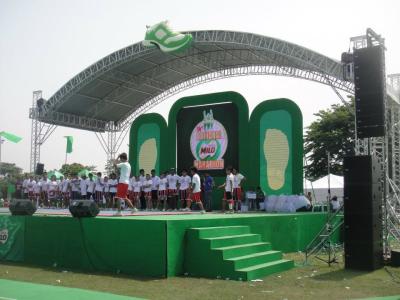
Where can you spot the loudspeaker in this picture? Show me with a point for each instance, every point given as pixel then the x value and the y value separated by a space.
pixel 83 208
pixel 22 208
pixel 369 84
pixel 395 258
pixel 39 169
pixel 363 213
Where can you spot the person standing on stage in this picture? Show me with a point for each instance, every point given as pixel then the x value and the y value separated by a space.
pixel 173 178
pixel 237 189
pixel 228 195
pixel 31 188
pixel 162 192
pixel 25 186
pixel 75 187
pixel 147 192
pixel 208 186
pixel 66 190
pixel 83 187
pixel 91 184
pixel 142 178
pixel 113 182
pixel 184 185
pixel 44 183
pixel 137 190
pixel 155 181
pixel 122 188
pixel 196 191
pixel 99 189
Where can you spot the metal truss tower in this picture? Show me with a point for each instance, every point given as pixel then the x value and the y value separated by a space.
pixel 39 132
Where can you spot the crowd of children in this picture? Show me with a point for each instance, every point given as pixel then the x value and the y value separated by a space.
pixel 168 191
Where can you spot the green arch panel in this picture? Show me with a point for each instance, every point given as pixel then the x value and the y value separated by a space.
pixel 147 143
pixel 277 153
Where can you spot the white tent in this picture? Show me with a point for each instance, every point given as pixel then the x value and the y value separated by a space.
pixel 319 188
pixel 336 182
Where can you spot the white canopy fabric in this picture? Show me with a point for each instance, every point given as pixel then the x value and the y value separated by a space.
pixel 336 182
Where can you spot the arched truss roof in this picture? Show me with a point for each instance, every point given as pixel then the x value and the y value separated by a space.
pixel 109 94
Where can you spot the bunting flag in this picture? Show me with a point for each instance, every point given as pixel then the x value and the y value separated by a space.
pixel 70 140
pixel 10 137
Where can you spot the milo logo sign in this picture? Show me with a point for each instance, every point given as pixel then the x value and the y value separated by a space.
pixel 208 143
pixel 3 236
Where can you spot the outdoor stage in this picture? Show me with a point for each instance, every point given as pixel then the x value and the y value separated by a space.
pixel 143 245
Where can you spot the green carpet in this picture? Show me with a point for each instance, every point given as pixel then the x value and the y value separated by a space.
pixel 10 290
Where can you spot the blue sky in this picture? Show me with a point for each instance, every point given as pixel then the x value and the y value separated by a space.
pixel 45 43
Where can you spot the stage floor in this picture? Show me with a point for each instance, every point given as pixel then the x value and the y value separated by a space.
pixel 155 215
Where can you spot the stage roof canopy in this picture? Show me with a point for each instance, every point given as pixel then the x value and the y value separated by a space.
pixel 109 94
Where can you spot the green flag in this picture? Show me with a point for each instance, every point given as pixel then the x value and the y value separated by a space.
pixel 70 140
pixel 11 137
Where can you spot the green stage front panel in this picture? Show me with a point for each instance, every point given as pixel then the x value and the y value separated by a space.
pixel 147 149
pixel 12 237
pixel 136 247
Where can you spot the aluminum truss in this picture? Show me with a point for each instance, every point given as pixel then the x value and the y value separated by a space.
pixel 40 131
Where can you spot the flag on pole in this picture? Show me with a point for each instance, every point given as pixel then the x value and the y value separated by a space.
pixel 11 137
pixel 70 140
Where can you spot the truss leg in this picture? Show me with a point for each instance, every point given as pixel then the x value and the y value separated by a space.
pixel 40 132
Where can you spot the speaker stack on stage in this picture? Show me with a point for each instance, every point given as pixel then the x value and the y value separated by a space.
pixel 83 208
pixel 363 213
pixel 369 85
pixel 22 208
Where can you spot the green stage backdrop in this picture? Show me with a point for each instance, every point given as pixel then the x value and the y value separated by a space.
pixel 268 149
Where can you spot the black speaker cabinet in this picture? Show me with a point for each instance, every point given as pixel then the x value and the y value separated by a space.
pixel 22 208
pixel 369 84
pixel 363 213
pixel 39 169
pixel 83 208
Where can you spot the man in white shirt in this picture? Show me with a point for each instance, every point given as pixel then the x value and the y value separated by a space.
pixel 91 184
pixel 147 192
pixel 237 188
pixel 24 186
pixel 99 190
pixel 137 189
pixel 142 178
pixel 122 188
pixel 155 180
pixel 162 191
pixel 113 182
pixel 65 189
pixel 172 179
pixel 44 182
pixel 31 188
pixel 184 184
pixel 228 195
pixel 75 187
pixel 83 187
pixel 52 191
pixel 196 191
pixel 37 189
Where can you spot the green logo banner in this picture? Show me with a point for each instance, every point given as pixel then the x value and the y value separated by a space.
pixel 12 231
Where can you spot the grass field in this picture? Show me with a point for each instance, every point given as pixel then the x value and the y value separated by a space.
pixel 314 281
